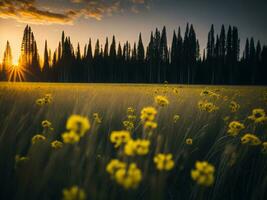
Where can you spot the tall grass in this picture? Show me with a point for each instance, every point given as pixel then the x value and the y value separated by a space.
pixel 240 170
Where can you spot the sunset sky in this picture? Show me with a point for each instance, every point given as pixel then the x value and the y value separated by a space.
pixel 82 19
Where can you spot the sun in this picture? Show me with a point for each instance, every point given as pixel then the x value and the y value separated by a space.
pixel 16 73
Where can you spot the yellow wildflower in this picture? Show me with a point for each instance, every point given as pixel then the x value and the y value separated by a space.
pixel 207 106
pixel 137 147
pixel 78 124
pixel 37 138
pixel 234 106
pixel 56 144
pixel 48 98
pixel 70 137
pixel 47 124
pixel 164 161
pixel 114 165
pixel 129 177
pixel 264 148
pixel 128 125
pixel 203 173
pixel 119 137
pixel 250 139
pixel 131 117
pixel 209 93
pixel 40 101
pixel 148 114
pixel 97 118
pixel 176 118
pixel 130 111
pixel 258 115
pixel 189 141
pixel 235 127
pixel 149 126
pixel 74 193
pixel 161 101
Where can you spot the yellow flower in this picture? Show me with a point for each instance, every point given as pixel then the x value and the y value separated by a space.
pixel 161 101
pixel 48 98
pixel 264 148
pixel 234 106
pixel 37 138
pixel 137 147
pixel 149 126
pixel 235 127
pixel 74 193
pixel 176 118
pixel 164 161
pixel 130 111
pixel 119 137
pixel 258 115
pixel 250 139
pixel 46 124
pixel 56 144
pixel 131 117
pixel 189 141
pixel 70 137
pixel 78 124
pixel 97 118
pixel 40 101
pixel 114 165
pixel 129 177
pixel 203 173
pixel 148 114
pixel 207 106
pixel 209 93
pixel 128 125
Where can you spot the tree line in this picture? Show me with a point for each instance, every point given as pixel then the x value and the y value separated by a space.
pixel 114 62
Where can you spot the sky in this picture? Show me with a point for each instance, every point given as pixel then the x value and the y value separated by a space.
pixel 84 19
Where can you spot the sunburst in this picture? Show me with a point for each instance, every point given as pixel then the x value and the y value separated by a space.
pixel 16 73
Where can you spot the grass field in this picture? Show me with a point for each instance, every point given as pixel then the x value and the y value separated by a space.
pixel 192 126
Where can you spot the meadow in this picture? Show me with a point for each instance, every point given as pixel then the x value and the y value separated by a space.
pixel 111 141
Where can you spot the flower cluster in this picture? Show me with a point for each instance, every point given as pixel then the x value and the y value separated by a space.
pixel 234 106
pixel 258 116
pixel 128 176
pixel 131 117
pixel 38 138
pixel 119 138
pixel 74 193
pixel 137 147
pixel 161 101
pixel 76 127
pixel 148 114
pixel 207 106
pixel 203 173
pixel 164 161
pixel 47 99
pixel 234 128
pixel 250 139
